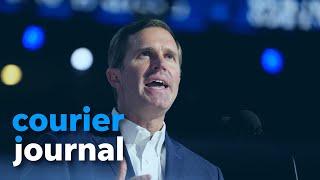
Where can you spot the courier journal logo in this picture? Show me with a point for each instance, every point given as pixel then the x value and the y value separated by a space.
pixel 66 123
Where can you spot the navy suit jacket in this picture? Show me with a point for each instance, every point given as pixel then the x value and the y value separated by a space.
pixel 181 163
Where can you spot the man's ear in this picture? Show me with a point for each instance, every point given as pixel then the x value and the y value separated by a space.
pixel 113 76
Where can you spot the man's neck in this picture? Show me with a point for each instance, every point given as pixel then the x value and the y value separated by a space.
pixel 151 122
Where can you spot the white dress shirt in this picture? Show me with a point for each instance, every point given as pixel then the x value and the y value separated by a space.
pixel 146 150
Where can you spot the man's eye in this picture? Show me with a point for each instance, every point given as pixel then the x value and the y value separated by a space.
pixel 144 54
pixel 170 57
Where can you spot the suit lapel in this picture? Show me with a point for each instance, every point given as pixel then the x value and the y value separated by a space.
pixel 174 160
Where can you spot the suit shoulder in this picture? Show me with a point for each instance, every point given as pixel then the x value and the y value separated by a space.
pixel 192 155
pixel 197 162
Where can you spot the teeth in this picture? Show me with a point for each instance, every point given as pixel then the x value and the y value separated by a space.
pixel 160 84
pixel 159 81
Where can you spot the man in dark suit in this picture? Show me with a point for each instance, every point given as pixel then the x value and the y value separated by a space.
pixel 144 62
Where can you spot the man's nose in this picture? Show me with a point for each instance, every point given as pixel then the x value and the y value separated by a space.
pixel 159 63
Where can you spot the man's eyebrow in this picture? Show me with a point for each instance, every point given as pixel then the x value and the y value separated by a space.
pixel 150 49
pixel 172 52
pixel 146 49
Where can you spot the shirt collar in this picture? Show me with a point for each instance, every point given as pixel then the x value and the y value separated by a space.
pixel 134 134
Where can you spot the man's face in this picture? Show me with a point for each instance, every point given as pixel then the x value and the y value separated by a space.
pixel 151 71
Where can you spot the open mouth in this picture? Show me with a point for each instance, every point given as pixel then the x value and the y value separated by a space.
pixel 157 84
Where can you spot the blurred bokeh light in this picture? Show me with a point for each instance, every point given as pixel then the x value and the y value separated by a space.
pixel 272 61
pixel 81 59
pixel 33 38
pixel 11 75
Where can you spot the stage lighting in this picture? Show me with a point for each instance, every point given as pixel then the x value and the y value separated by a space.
pixel 55 9
pixel 33 38
pixel 180 10
pixel 13 1
pixel 272 61
pixel 11 75
pixel 84 5
pixel 81 59
pixel 185 16
pixel 220 11
pixel 50 3
pixel 114 12
pixel 115 6
pixel 156 8
pixel 10 6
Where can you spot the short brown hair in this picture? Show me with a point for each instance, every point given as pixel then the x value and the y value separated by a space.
pixel 118 44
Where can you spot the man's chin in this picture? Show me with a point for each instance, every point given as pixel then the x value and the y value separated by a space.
pixel 160 106
pixel 157 103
